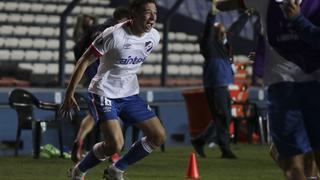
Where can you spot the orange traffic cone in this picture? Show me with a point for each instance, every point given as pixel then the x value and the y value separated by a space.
pixel 192 172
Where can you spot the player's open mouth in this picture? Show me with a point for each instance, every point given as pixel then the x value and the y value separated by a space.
pixel 149 25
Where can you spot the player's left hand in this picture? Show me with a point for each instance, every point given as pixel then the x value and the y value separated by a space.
pixel 291 9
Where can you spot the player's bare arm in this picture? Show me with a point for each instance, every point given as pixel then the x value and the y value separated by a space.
pixel 86 59
pixel 227 5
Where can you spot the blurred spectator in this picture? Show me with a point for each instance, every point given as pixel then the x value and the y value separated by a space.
pixel 84 22
pixel 217 76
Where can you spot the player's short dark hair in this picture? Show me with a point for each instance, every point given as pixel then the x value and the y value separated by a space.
pixel 121 12
pixel 136 4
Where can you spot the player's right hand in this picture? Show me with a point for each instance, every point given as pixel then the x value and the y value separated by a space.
pixel 68 104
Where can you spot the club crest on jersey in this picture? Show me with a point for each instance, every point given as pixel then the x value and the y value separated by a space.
pixel 148 46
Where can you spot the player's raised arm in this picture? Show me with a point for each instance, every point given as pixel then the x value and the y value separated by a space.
pixel 85 60
pixel 227 5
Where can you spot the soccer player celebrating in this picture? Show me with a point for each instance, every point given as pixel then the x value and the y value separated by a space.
pixel 114 90
pixel 120 14
pixel 292 72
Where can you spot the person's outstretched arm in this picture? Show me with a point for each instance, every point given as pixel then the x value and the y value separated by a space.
pixel 307 31
pixel 103 43
pixel 208 33
pixel 86 59
pixel 238 25
pixel 208 38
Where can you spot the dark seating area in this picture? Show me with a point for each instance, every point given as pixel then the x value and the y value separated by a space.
pixel 24 102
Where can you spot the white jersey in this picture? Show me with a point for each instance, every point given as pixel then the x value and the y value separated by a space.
pixel 121 54
pixel 278 69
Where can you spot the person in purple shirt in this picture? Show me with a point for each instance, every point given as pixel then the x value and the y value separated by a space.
pixel 310 34
pixel 292 74
pixel 306 30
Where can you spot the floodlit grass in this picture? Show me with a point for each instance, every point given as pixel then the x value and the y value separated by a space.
pixel 253 163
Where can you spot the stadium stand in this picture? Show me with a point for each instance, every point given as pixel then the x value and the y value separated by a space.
pixel 29 32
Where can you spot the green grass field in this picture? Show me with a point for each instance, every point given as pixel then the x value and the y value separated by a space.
pixel 253 163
